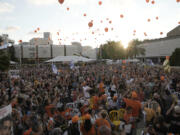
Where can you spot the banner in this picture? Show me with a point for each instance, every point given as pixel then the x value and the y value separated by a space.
pixel 54 69
pixel 6 124
pixel 14 73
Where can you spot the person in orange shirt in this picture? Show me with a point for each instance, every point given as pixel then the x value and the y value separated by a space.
pixel 134 103
pixel 87 128
pixel 101 87
pixel 102 122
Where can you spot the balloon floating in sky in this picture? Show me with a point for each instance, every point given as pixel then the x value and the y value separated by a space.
pixel 121 15
pixel 106 29
pixel 20 41
pixel 161 33
pixel 157 17
pixel 177 0
pixel 178 22
pixel 110 22
pixel 149 20
pixel 38 29
pixel 35 31
pixel 90 24
pixel 134 31
pixel 61 1
pixel 100 2
pixel 67 8
pixel 145 34
pixel 147 1
pixel 57 33
pixel 153 2
pixel 84 14
pixel 92 32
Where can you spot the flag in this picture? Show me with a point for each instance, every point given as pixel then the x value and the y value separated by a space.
pixel 166 66
pixel 54 69
pixel 72 65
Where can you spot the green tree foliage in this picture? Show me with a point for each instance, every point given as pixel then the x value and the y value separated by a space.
pixel 112 50
pixel 4 60
pixel 175 58
pixel 11 53
pixel 115 50
pixel 134 49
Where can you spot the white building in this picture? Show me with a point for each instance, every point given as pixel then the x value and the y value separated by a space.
pixel 51 51
pixel 158 49
pixel 46 40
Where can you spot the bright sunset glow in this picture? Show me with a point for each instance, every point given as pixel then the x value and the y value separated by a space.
pixel 19 19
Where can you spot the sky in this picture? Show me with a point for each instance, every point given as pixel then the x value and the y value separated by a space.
pixel 20 18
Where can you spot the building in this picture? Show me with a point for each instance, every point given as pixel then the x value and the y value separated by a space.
pixel 46 40
pixel 158 49
pixel 6 40
pixel 45 52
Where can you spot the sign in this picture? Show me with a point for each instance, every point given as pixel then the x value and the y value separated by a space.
pixel 14 73
pixel 6 125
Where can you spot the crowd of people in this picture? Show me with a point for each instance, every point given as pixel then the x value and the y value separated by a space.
pixel 93 99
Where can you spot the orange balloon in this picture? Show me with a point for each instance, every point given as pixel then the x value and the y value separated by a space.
pixel 84 14
pixel 57 33
pixel 177 0
pixel 161 33
pixel 100 2
pixel 38 29
pixel 134 31
pixel 157 17
pixel 121 15
pixel 153 2
pixel 101 21
pixel 61 1
pixel 178 22
pixel 106 29
pixel 145 34
pixel 110 22
pixel 67 9
pixel 35 31
pixel 167 57
pixel 147 1
pixel 92 32
pixel 20 41
pixel 162 78
pixel 90 24
pixel 149 20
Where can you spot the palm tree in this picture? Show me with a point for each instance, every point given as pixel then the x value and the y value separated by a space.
pixel 134 49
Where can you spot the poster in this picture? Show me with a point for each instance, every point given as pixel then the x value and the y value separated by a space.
pixel 14 73
pixel 6 124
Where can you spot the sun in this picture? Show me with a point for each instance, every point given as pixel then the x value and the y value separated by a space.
pixel 125 43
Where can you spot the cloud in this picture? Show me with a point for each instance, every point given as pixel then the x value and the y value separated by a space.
pixel 42 2
pixel 6 7
pixel 12 28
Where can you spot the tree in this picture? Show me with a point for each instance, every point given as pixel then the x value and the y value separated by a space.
pixel 134 49
pixel 112 50
pixel 1 40
pixel 4 60
pixel 175 58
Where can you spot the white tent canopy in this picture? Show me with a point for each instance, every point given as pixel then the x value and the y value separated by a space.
pixel 70 59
